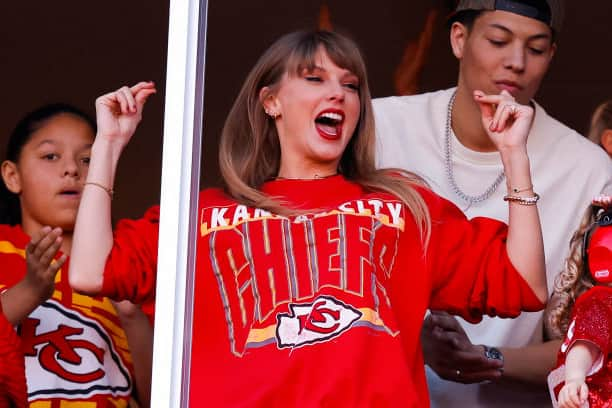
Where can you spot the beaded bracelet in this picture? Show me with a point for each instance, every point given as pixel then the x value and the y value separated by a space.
pixel 523 200
pixel 108 190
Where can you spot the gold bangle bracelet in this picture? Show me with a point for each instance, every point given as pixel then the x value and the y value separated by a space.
pixel 523 200
pixel 110 192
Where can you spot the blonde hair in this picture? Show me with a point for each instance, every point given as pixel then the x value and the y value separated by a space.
pixel 249 151
pixel 573 280
pixel 600 121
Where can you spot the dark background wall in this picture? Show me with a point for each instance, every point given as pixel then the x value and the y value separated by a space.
pixel 73 51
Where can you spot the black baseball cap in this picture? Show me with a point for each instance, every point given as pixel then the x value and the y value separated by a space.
pixel 549 12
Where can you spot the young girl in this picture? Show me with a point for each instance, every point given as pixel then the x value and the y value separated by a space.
pixel 314 269
pixel 75 349
pixel 584 370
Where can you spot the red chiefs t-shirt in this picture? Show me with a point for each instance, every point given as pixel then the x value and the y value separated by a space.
pixel 325 308
pixel 75 349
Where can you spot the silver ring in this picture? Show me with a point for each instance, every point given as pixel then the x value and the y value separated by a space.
pixel 513 108
pixel 458 372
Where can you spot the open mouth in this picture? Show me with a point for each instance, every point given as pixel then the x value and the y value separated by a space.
pixel 329 124
pixel 70 193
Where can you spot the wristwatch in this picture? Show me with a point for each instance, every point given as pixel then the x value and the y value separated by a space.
pixel 494 353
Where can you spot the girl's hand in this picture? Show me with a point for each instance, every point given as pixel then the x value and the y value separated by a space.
pixel 574 394
pixel 507 122
pixel 118 113
pixel 41 268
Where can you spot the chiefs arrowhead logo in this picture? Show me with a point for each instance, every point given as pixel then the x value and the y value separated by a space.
pixel 321 320
pixel 69 355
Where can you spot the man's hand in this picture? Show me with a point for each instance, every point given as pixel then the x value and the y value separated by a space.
pixel 451 354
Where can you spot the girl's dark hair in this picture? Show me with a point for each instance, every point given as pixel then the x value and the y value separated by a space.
pixel 10 210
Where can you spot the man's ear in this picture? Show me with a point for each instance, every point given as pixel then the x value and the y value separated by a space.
pixel 458 37
pixel 553 50
pixel 270 102
pixel 10 175
pixel 606 141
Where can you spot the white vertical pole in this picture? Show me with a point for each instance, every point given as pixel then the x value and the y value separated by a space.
pixel 179 192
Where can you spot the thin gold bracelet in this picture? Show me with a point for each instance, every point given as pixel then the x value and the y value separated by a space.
pixel 523 200
pixel 110 192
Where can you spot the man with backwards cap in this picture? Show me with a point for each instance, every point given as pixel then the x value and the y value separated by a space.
pixel 502 46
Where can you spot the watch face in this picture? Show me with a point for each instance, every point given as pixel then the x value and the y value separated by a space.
pixel 492 352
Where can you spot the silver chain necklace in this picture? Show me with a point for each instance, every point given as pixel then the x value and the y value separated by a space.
pixel 449 163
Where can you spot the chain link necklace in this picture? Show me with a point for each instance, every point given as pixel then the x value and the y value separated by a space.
pixel 448 162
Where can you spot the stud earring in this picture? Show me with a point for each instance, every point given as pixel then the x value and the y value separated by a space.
pixel 272 114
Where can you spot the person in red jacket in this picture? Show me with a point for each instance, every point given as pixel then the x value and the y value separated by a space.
pixel 314 269
pixel 12 370
pixel 583 311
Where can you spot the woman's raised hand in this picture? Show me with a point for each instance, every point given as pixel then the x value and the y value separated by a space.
pixel 506 121
pixel 119 112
